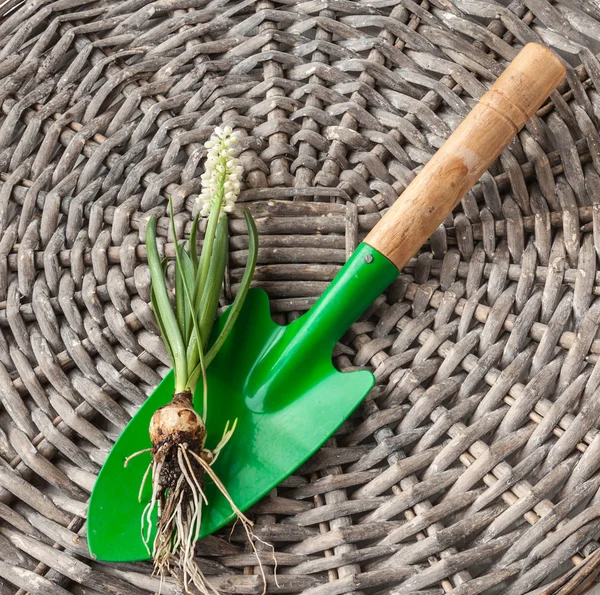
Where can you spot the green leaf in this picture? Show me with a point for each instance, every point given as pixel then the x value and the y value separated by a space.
pixel 242 291
pixel 184 314
pixel 186 273
pixel 187 268
pixel 192 244
pixel 214 280
pixel 180 304
pixel 161 326
pixel 206 254
pixel 168 319
pixel 209 303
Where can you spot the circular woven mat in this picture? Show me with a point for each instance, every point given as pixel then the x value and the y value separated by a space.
pixel 472 467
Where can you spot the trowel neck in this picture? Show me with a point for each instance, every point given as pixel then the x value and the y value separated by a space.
pixel 305 346
pixel 356 286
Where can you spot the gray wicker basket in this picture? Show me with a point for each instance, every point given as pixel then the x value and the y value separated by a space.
pixel 473 466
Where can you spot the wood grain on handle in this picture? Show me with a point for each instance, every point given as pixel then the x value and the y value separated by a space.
pixel 470 150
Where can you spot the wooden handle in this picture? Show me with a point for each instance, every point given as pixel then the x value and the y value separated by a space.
pixel 470 150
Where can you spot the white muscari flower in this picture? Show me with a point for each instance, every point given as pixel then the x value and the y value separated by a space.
pixel 221 179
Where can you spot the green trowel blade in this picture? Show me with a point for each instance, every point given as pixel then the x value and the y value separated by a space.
pixel 278 383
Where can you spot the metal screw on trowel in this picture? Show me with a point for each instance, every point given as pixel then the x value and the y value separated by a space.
pixel 369 258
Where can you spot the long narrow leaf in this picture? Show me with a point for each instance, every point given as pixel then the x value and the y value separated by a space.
pixel 192 245
pixel 182 309
pixel 206 254
pixel 163 306
pixel 161 326
pixel 214 280
pixel 187 288
pixel 195 375
pixel 187 268
pixel 238 302
pixel 180 305
pixel 207 309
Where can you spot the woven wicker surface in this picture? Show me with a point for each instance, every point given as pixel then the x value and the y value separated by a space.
pixel 472 467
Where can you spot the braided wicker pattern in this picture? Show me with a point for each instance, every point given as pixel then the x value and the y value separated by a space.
pixel 472 467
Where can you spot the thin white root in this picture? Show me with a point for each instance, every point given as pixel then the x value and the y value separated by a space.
pixel 272 548
pixel 178 526
pixel 246 522
pixel 183 452
pixel 222 489
pixel 180 516
pixel 144 480
pixel 147 513
pixel 135 454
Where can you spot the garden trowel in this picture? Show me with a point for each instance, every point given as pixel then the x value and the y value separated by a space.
pixel 279 381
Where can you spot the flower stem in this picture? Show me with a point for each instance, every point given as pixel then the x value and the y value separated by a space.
pixel 207 247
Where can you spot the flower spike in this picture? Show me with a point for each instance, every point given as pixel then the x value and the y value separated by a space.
pixel 223 172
